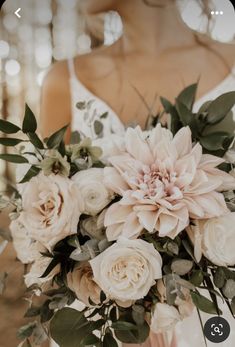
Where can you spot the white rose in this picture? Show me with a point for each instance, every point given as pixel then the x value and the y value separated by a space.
pixel 218 239
pixel 215 238
pixel 27 250
pixel 127 270
pixel 164 317
pixel 95 196
pixel 36 271
pixel 51 208
pixel 81 282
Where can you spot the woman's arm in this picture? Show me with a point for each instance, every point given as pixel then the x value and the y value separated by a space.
pixel 55 110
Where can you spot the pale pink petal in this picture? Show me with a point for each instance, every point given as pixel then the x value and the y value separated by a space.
pixel 195 210
pixel 114 231
pixel 132 228
pixel 213 204
pixel 116 213
pixel 209 161
pixel 137 146
pixel 182 141
pixel 227 181
pixel 148 219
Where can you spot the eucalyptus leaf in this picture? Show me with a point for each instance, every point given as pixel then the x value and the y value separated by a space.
pixel 123 325
pixel 7 141
pixel 138 314
pixel 219 278
pixel 188 95
pixel 173 247
pixel 181 266
pixel 26 330
pixel 185 114
pixel 14 158
pixel 220 107
pixel 203 304
pixel 138 335
pixel 229 289
pixel 197 278
pixel 29 121
pixel 32 311
pixel 8 127
pixel 75 138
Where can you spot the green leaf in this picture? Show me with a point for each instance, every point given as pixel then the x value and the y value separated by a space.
pixel 133 336
pixel 197 278
pixel 55 139
pixel 229 289
pixel 186 116
pixel 8 127
pixel 138 314
pixel 32 172
pixel 102 296
pixel 45 312
pixel 7 141
pixel 27 343
pixel 75 138
pixel 113 314
pixel 29 122
pixel 217 140
pixel 50 267
pixel 104 115
pixel 220 107
pixel 35 140
pixel 109 341
pixel 68 327
pixel 203 303
pixel 90 340
pixel 170 109
pixel 14 158
pixel 188 95
pixel 219 278
pixel 32 311
pixel 123 325
pixel 181 266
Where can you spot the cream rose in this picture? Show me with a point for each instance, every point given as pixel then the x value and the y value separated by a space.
pixel 215 238
pixel 36 271
pixel 81 282
pixel 27 250
pixel 164 317
pixel 95 195
pixel 127 270
pixel 51 208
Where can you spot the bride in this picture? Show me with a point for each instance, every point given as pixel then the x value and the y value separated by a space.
pixel 157 55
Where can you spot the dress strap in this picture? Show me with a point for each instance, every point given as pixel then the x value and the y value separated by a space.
pixel 71 68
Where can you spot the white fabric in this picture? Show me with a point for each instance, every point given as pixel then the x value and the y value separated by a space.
pixel 189 332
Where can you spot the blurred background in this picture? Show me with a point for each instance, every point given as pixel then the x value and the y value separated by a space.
pixel 49 31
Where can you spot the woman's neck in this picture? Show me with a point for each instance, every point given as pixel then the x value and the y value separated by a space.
pixel 153 30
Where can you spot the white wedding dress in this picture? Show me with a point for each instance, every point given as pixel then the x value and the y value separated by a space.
pixel 189 332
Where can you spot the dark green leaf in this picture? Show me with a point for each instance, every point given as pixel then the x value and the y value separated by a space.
pixel 186 116
pixel 29 122
pixel 32 311
pixel 170 109
pixel 68 327
pixel 104 115
pixel 7 141
pixel 45 312
pixel 197 278
pixel 215 141
pixel 109 341
pixel 90 340
pixel 188 95
pixel 32 172
pixel 14 158
pixel 102 296
pixel 8 127
pixel 50 267
pixel 113 314
pixel 203 303
pixel 123 325
pixel 229 289
pixel 56 138
pixel 35 140
pixel 220 107
pixel 133 336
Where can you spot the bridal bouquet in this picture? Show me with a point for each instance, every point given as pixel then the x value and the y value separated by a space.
pixel 140 236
